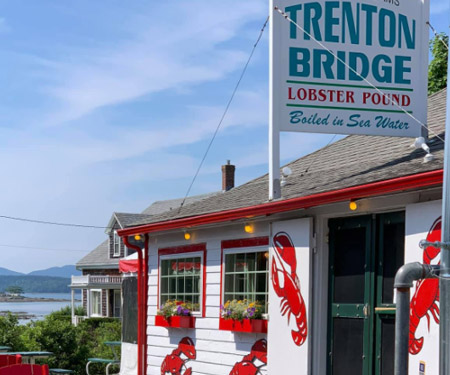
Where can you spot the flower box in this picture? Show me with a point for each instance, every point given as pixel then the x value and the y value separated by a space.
pixel 245 325
pixel 175 321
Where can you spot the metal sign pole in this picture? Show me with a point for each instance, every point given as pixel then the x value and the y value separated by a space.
pixel 274 131
pixel 444 284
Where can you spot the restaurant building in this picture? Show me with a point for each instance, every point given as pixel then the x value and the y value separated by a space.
pixel 321 260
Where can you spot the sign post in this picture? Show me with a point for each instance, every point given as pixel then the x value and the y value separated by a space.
pixel 444 283
pixel 347 67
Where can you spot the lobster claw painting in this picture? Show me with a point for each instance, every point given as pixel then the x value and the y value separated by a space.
pixel 289 295
pixel 175 363
pixel 426 294
pixel 253 362
pixel 284 266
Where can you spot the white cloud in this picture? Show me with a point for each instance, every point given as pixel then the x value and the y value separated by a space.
pixel 174 50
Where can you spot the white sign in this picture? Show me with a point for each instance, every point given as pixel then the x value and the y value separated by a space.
pixel 289 295
pixel 349 67
pixel 423 222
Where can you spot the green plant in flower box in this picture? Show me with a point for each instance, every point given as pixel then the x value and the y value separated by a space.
pixel 177 308
pixel 242 309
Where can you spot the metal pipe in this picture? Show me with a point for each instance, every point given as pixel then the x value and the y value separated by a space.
pixel 444 283
pixel 403 283
pixel 140 304
pixel 146 258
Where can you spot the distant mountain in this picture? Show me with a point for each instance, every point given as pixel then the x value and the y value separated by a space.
pixel 64 271
pixel 36 284
pixel 7 272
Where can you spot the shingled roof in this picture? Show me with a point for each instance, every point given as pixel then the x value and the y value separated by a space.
pixel 99 257
pixel 352 161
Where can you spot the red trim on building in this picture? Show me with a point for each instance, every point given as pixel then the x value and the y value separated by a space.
pixel 232 244
pixel 421 180
pixel 201 247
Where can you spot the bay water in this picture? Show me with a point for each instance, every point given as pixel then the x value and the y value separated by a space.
pixel 39 309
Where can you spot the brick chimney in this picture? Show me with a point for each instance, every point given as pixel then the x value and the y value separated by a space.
pixel 228 176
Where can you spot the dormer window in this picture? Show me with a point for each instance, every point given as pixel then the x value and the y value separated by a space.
pixel 116 244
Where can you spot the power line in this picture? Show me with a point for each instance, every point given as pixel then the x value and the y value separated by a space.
pixel 52 222
pixel 225 112
pixel 43 248
pixel 286 17
pixel 437 35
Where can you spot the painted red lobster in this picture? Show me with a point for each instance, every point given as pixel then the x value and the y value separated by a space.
pixel 426 294
pixel 291 298
pixel 174 363
pixel 248 366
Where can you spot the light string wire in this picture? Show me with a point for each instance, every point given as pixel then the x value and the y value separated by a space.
pixel 53 222
pixel 436 34
pixel 225 112
pixel 44 248
pixel 355 72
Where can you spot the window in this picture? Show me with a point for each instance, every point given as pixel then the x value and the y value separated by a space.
pixel 116 244
pixel 117 304
pixel 246 271
pixel 181 275
pixel 96 303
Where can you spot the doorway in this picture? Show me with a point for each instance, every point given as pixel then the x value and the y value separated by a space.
pixel 365 253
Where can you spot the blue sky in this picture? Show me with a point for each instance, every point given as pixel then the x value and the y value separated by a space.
pixel 109 105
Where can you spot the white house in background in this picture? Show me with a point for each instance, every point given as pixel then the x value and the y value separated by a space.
pixel 101 281
pixel 324 271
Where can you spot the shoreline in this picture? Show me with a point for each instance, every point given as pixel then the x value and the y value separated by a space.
pixel 32 299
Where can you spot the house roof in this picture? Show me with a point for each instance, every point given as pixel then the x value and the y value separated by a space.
pixel 99 257
pixel 353 161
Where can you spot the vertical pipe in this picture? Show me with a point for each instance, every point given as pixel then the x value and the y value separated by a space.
pixel 146 257
pixel 140 305
pixel 444 286
pixel 401 331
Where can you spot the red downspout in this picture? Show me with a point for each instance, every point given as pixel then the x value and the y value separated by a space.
pixel 139 293
pixel 144 328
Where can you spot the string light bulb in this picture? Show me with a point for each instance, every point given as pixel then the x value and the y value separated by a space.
pixel 353 205
pixel 137 237
pixel 248 228
pixel 187 236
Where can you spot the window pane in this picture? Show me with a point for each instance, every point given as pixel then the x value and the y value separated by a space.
pixel 173 267
pixel 165 267
pixel 261 282
pixel 251 261
pixel 196 284
pixel 229 262
pixel 262 261
pixel 241 266
pixel 189 266
pixel 180 285
pixel 164 285
pixel 229 283
pixel 172 285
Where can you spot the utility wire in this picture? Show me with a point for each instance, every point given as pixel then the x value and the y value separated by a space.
pixel 286 17
pixel 43 248
pixel 437 35
pixel 52 222
pixel 225 112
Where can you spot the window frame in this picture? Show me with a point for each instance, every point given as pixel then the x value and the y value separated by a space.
pixel 91 303
pixel 240 246
pixel 116 237
pixel 115 300
pixel 187 251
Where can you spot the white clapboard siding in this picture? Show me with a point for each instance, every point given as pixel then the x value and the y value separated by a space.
pixel 217 351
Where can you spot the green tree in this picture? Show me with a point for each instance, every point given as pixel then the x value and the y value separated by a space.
pixel 11 332
pixel 14 289
pixel 437 70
